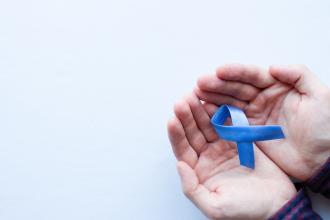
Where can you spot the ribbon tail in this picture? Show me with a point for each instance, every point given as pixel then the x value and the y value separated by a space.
pixel 245 153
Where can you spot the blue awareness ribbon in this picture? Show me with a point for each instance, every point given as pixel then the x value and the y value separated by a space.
pixel 242 133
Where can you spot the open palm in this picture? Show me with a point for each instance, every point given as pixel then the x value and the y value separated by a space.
pixel 288 96
pixel 210 172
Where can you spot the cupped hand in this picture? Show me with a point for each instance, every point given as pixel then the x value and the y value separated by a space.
pixel 290 96
pixel 210 172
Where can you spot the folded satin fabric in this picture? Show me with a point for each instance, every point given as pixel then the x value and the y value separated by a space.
pixel 242 133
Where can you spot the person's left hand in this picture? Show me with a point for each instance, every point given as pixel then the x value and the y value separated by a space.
pixel 289 96
pixel 210 172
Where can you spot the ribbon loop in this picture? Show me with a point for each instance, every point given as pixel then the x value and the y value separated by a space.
pixel 242 133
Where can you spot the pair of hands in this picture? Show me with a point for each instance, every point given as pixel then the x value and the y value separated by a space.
pixel 290 96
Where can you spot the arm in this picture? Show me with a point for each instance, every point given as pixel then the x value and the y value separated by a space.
pixel 320 182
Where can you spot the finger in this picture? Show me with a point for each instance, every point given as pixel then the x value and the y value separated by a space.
pixel 242 91
pixel 298 76
pixel 180 145
pixel 194 136
pixel 210 108
pixel 202 118
pixel 197 193
pixel 252 75
pixel 219 99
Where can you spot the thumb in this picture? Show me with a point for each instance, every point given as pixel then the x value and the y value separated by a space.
pixel 298 76
pixel 189 179
pixel 196 192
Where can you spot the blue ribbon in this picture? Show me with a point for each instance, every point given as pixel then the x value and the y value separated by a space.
pixel 242 133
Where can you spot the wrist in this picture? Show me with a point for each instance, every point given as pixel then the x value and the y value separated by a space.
pixel 299 206
pixel 318 162
pixel 281 202
pixel 320 181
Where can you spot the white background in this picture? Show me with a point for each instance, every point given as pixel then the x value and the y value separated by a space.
pixel 86 88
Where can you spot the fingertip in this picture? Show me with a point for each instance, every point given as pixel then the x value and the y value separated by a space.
pixel 249 74
pixel 228 71
pixel 299 68
pixel 172 124
pixel 275 68
pixel 201 81
pixel 209 82
pixel 284 73
pixel 220 99
pixel 193 101
pixel 181 107
pixel 298 76
pixel 302 68
pixel 197 91
pixel 210 108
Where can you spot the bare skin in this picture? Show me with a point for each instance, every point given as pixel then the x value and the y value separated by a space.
pixel 290 96
pixel 210 172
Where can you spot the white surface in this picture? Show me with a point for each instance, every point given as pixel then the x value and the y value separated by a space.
pixel 86 88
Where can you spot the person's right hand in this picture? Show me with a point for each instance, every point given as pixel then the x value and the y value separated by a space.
pixel 210 173
pixel 290 96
